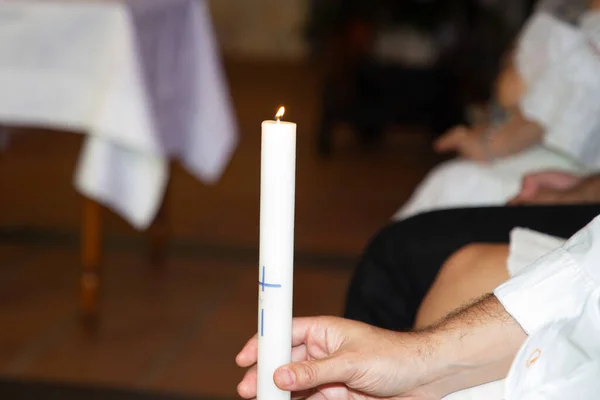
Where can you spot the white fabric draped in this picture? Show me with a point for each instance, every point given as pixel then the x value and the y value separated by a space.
pixel 80 66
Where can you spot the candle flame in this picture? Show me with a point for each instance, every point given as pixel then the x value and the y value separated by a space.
pixel 280 113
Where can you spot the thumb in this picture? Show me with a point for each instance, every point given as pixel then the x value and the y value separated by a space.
pixel 515 201
pixel 309 374
pixel 529 188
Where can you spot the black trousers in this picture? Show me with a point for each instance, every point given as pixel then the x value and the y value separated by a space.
pixel 401 262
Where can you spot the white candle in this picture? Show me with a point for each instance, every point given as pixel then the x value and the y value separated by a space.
pixel 276 259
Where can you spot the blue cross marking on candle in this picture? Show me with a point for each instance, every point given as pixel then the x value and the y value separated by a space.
pixel 263 284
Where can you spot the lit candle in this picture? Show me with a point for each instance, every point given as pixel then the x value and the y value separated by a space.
pixel 276 259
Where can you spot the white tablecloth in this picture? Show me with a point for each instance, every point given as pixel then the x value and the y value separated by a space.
pixel 142 80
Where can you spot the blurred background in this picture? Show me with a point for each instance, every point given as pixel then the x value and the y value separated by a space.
pixel 369 83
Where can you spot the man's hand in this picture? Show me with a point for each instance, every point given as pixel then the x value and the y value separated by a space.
pixel 467 142
pixel 334 358
pixel 547 187
pixel 338 359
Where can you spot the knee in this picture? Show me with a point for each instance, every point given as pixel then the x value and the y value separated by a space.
pixel 465 260
pixel 471 259
pixel 415 237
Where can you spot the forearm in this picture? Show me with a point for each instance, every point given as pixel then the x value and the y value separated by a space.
pixel 473 346
pixel 515 136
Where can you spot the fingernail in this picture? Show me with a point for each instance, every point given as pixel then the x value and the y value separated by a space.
pixel 285 378
pixel 241 388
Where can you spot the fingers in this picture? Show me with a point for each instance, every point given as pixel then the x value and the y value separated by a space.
pixel 518 200
pixel 317 396
pixel 451 140
pixel 247 387
pixel 302 328
pixel 249 353
pixel 299 353
pixel 538 179
pixel 543 187
pixel 301 374
pixel 555 179
pixel 311 374
pixel 524 201
pixel 542 196
pixel 529 188
pixel 304 394
pixel 546 196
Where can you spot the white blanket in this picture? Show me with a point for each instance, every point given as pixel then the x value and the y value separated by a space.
pixel 462 183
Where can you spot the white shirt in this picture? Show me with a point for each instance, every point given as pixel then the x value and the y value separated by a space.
pixel 561 360
pixel 548 299
pixel 561 65
pixel 543 297
pixel 557 285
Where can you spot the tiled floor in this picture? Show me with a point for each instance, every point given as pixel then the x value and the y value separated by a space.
pixel 177 329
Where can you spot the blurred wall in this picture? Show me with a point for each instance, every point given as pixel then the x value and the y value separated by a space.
pixel 261 28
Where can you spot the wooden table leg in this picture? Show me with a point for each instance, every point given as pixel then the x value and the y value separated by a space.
pixel 4 138
pixel 159 233
pixel 91 244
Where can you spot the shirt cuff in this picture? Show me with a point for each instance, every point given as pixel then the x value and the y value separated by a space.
pixel 552 288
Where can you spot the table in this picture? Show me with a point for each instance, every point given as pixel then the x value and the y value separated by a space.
pixel 142 79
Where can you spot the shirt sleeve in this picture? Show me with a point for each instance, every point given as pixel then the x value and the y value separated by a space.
pixel 543 40
pixel 557 285
pixel 564 100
